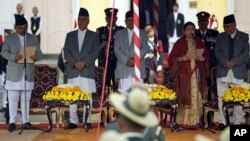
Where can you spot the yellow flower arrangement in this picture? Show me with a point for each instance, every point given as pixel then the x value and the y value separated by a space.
pixel 66 93
pixel 160 92
pixel 236 94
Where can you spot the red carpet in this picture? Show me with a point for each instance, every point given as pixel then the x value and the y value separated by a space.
pixel 45 125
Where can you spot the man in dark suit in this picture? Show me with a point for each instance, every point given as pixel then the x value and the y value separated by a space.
pixel 104 35
pixel 231 51
pixel 175 24
pixel 208 37
pixel 81 49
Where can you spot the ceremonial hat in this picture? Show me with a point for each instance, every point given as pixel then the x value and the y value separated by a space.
pixel 20 20
pixel 129 14
pixel 203 15
pixel 108 11
pixel 229 19
pixel 83 12
pixel 135 105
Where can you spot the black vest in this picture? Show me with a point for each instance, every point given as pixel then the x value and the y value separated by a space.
pixel 35 22
pixel 18 14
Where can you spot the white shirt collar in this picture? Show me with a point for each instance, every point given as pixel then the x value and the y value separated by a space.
pixel 82 31
pixel 21 39
pixel 130 30
pixel 112 28
pixel 20 13
pixel 233 34
pixel 203 31
pixel 175 15
pixel 130 35
pixel 81 37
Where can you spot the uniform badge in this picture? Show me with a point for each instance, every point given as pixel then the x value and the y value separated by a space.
pixel 34 27
pixel 179 21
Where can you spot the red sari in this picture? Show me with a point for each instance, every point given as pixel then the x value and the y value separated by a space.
pixel 186 84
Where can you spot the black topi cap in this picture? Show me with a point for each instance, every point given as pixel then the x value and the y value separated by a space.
pixel 229 19
pixel 203 15
pixel 108 11
pixel 20 20
pixel 129 14
pixel 83 12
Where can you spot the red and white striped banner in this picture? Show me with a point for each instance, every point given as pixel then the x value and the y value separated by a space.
pixel 156 17
pixel 156 25
pixel 137 41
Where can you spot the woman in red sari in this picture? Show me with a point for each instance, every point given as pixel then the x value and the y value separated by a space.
pixel 189 63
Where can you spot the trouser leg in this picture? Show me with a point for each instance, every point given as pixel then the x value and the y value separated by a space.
pixel 25 105
pixel 221 88
pixel 13 97
pixel 73 113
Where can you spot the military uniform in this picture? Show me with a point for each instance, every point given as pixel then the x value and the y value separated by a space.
pixel 103 32
pixel 208 36
pixel 209 39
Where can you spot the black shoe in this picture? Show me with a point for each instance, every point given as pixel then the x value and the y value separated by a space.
pixel 3 109
pixel 28 126
pixel 71 126
pixel 11 127
pixel 221 126
pixel 88 125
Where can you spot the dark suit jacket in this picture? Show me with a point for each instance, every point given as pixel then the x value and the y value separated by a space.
pixel 210 40
pixel 171 24
pixel 89 52
pixel 241 53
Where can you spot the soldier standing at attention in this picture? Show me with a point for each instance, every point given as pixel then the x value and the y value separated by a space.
pixel 208 36
pixel 103 32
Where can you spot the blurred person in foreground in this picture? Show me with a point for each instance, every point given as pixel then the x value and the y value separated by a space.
pixel 155 133
pixel 135 116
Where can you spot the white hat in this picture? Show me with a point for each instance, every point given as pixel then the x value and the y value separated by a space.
pixel 224 136
pixel 112 136
pixel 135 106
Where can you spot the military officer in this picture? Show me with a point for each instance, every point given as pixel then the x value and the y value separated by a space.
pixel 208 36
pixel 104 35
